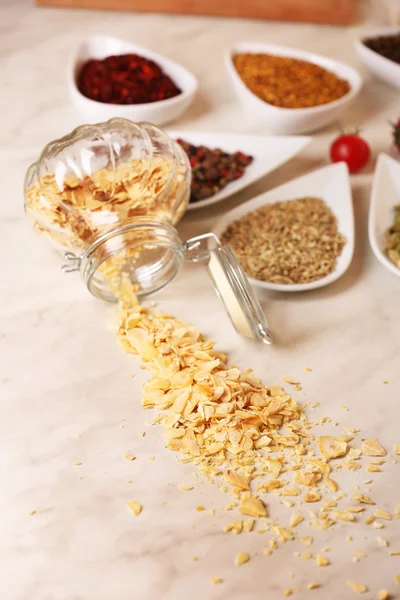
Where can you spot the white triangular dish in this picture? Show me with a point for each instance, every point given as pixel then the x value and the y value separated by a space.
pixel 385 195
pixel 331 184
pixel 269 152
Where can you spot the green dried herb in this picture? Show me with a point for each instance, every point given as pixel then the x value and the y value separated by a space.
pixel 393 238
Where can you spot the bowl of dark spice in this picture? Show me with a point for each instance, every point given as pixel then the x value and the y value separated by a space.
pixel 380 53
pixel 288 90
pixel 109 78
pixel 213 169
pixel 224 164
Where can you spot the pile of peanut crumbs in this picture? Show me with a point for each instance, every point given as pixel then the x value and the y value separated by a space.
pixel 249 439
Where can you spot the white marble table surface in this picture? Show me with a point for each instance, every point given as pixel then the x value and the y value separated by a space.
pixel 66 390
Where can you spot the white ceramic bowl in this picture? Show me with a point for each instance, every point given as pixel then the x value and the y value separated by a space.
pixel 158 113
pixel 331 184
pixel 291 120
pixel 385 194
pixel 382 67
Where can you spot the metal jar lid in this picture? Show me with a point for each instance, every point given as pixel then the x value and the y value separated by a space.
pixel 233 287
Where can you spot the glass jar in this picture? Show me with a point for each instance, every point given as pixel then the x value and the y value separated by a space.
pixel 108 196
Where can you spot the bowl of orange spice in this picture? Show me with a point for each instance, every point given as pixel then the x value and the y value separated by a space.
pixel 290 91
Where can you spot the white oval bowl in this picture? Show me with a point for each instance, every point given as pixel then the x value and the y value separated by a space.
pixel 291 120
pixel 158 113
pixel 332 185
pixel 383 68
pixel 385 194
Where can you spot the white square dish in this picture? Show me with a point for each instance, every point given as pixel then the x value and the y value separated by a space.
pixel 331 184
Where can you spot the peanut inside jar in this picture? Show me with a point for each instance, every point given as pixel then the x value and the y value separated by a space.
pixel 90 191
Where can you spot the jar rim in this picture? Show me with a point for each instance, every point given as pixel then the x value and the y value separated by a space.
pixel 159 239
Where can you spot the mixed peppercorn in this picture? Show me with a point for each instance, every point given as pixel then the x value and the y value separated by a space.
pixel 213 169
pixel 125 79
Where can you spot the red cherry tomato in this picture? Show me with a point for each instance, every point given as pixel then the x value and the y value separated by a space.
pixel 351 149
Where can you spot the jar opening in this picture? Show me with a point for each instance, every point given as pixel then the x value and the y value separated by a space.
pixel 146 253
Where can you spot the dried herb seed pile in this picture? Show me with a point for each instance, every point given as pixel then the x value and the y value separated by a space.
pixel 295 241
pixel 289 82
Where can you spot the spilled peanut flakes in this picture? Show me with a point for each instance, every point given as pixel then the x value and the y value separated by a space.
pixel 248 438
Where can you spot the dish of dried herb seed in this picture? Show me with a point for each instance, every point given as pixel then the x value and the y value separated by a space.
pixel 393 239
pixel 294 241
pixel 288 82
pixel 385 45
pixel 213 169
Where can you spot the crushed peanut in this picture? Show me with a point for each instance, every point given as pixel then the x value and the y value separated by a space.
pixel 296 519
pixel 331 448
pixel 185 487
pixel 383 595
pixel 254 507
pixel 307 540
pixel 129 457
pixel 321 560
pixel 382 542
pixel 343 516
pixel 363 499
pixel 359 588
pixel 135 507
pixel 242 558
pixel 372 448
pixel 216 580
pixel 371 468
pixel 382 514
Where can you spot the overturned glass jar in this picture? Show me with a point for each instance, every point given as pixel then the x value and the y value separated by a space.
pixel 108 197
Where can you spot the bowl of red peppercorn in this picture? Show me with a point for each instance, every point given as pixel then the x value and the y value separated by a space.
pixel 109 77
